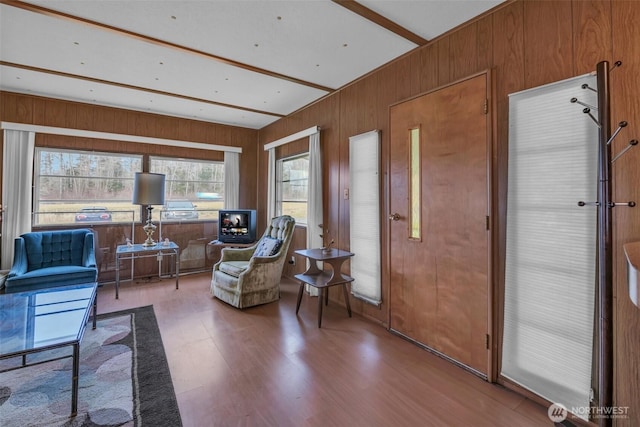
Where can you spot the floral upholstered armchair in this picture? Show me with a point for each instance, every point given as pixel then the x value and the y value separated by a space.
pixel 245 277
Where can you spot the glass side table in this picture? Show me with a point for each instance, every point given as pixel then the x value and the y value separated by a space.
pixel 161 249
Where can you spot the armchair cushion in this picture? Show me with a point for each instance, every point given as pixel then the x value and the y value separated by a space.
pixel 268 246
pixel 234 268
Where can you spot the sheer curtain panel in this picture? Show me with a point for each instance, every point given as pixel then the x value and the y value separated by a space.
pixel 271 185
pixel 314 202
pixel 550 277
pixel 231 180
pixel 17 173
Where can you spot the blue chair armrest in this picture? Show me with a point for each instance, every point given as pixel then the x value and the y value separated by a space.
pixel 19 266
pixel 88 252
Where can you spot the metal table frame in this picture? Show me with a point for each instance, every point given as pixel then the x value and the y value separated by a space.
pixel 75 343
pixel 161 249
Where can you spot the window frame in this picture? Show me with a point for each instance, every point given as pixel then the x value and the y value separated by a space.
pixel 279 186
pixel 199 204
pixel 126 215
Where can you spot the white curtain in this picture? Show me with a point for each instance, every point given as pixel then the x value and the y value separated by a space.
pixel 271 185
pixel 314 201
pixel 364 216
pixel 550 276
pixel 231 180
pixel 17 173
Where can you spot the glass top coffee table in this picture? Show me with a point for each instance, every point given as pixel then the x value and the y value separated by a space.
pixel 46 319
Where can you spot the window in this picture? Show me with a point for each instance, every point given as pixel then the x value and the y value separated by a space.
pixel 79 186
pixel 550 271
pixel 364 216
pixel 414 179
pixel 190 185
pixel 292 185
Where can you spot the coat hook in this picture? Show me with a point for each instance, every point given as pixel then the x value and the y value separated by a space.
pixel 575 101
pixel 630 204
pixel 588 111
pixel 621 125
pixel 615 65
pixel 586 86
pixel 581 203
pixel 632 143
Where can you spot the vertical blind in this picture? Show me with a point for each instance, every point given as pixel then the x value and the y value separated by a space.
pixel 550 276
pixel 364 213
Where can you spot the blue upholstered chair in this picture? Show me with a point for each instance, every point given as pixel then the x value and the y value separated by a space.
pixel 52 258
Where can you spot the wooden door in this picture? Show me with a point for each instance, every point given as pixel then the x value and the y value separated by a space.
pixel 439 289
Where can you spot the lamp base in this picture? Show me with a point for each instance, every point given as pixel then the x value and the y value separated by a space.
pixel 149 229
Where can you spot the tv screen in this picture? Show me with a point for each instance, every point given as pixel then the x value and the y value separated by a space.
pixel 237 226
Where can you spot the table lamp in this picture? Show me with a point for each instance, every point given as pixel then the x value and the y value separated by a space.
pixel 148 189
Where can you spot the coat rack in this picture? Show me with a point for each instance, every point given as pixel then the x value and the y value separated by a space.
pixel 604 230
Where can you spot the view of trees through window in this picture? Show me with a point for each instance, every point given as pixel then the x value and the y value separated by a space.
pixel 79 186
pixel 293 187
pixel 72 186
pixel 199 182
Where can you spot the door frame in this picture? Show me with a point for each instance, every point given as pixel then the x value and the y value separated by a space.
pixel 495 221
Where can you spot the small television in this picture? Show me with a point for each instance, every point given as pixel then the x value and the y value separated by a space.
pixel 237 226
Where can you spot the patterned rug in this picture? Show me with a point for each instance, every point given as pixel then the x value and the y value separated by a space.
pixel 124 380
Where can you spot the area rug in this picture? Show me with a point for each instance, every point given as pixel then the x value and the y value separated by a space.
pixel 124 380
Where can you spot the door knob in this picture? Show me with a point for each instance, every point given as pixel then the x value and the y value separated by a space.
pixel 394 217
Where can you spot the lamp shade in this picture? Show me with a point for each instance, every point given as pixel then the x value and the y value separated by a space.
pixel 148 189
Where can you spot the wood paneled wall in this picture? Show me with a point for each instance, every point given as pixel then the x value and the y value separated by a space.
pixel 19 108
pixel 527 44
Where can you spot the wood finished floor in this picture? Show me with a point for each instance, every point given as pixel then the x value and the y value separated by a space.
pixel 263 366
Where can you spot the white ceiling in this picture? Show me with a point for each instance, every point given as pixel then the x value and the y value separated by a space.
pixel 239 62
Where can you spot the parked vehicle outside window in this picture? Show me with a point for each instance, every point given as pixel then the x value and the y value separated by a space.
pixel 179 209
pixel 93 214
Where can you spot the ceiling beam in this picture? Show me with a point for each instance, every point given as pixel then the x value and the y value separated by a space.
pixel 61 15
pixel 139 88
pixel 376 18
